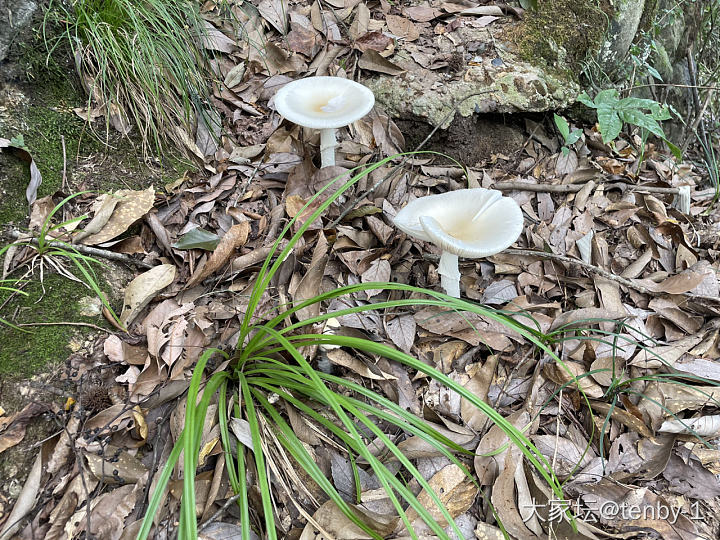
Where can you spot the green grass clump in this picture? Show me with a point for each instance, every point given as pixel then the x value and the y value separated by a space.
pixel 267 373
pixel 142 61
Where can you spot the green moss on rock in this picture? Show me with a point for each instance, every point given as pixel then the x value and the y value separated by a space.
pixel 14 175
pixel 562 32
pixel 25 353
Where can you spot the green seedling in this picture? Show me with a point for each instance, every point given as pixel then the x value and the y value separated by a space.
pixel 613 113
pixel 570 137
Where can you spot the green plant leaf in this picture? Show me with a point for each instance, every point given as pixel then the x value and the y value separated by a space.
pixel 642 120
pixel 563 126
pixel 609 123
pixel 585 99
pixel 574 136
pixel 608 97
pixel 197 238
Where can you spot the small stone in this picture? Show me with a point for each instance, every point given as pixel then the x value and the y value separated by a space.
pixel 75 344
pixel 89 306
pixel 14 489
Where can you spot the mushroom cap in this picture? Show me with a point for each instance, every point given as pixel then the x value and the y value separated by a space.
pixel 467 222
pixel 324 102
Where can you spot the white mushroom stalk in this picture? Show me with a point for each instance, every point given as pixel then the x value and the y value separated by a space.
pixel 324 103
pixel 463 223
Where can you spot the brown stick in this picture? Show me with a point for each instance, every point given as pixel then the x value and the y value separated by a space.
pixel 89 325
pixel 595 270
pixel 574 188
pixel 87 250
pixel 603 273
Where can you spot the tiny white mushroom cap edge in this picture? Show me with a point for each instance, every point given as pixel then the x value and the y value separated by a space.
pixel 324 102
pixel 471 223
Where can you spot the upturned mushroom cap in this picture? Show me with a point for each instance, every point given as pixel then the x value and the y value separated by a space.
pixel 467 222
pixel 324 102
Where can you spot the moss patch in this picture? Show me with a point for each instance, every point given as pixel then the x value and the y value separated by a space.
pixel 25 353
pixel 14 176
pixel 562 32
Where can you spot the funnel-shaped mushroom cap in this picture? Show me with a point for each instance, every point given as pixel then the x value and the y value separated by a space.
pixel 324 102
pixel 467 222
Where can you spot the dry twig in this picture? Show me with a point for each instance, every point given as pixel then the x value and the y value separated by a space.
pixel 87 250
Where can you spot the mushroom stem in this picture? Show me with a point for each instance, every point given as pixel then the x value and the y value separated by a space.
pixel 328 142
pixel 449 271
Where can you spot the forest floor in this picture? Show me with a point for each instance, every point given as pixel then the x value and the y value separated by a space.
pixel 611 266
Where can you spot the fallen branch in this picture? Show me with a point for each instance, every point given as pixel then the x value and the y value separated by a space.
pixel 574 188
pixel 86 250
pixel 603 273
pixel 595 270
pixel 219 513
pixel 89 325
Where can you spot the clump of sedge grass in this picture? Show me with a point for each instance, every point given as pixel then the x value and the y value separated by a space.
pixel 268 373
pixel 141 62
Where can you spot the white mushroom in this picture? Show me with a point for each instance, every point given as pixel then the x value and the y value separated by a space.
pixel 467 223
pixel 324 103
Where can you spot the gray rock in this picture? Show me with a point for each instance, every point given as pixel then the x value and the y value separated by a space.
pixel 14 16
pixel 482 85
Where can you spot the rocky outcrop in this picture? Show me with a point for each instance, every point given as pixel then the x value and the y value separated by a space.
pixel 492 81
pixel 15 15
pixel 534 63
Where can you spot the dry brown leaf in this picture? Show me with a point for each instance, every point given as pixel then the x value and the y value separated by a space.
pixel 402 27
pixel 504 500
pixel 25 501
pixel 345 359
pixel 608 494
pixel 62 452
pixel 130 206
pixel 563 453
pixel 116 466
pixel 372 61
pixel 375 41
pixel 623 417
pixel 401 330
pixel 335 523
pixel 470 327
pixel 141 290
pixel 422 13
pixel 703 426
pixel 688 477
pixel 655 356
pixel 12 428
pixel 680 283
pixel 454 489
pixel 379 271
pixel 480 379
pixel 215 40
pixel 584 317
pixel 573 374
pixel 275 12
pixel 107 518
pixel 35 176
pixel 236 237
pixel 309 286
pixel 123 353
